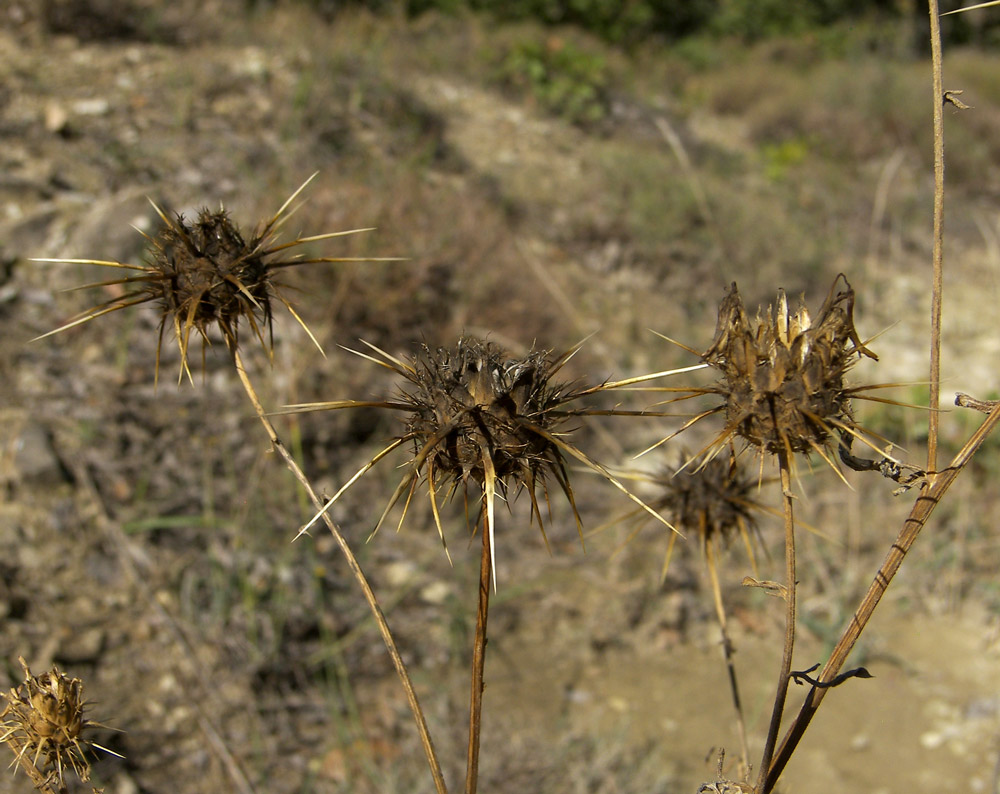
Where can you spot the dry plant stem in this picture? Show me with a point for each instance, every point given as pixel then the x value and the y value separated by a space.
pixel 42 782
pixel 478 664
pixel 359 576
pixel 921 511
pixel 784 466
pixel 938 253
pixel 727 652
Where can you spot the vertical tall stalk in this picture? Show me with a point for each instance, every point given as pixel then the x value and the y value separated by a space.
pixel 784 466
pixel 919 514
pixel 938 252
pixel 478 665
pixel 352 563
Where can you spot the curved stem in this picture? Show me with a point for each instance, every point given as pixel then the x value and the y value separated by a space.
pixel 352 563
pixel 784 466
pixel 478 664
pixel 919 515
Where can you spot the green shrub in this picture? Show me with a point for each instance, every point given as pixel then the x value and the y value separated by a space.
pixel 562 78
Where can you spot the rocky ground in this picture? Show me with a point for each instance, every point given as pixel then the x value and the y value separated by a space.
pixel 147 524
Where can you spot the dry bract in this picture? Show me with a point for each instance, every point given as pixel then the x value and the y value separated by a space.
pixel 205 273
pixel 478 415
pixel 43 723
pixel 783 375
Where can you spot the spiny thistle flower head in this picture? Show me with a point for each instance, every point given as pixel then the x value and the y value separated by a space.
pixel 43 722
pixel 475 402
pixel 204 272
pixel 783 375
pixel 478 416
pixel 714 502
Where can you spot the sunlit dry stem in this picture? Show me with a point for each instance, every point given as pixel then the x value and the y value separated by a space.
pixel 784 467
pixel 727 649
pixel 937 276
pixel 478 665
pixel 356 570
pixel 922 509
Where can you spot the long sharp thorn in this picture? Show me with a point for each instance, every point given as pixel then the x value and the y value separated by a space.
pixel 489 492
pixel 595 466
pixel 314 238
pixel 300 321
pixel 681 345
pixel 357 475
pixel 662 374
pixel 88 317
pixel 288 201
pixel 399 363
pixel 102 262
pixel 432 491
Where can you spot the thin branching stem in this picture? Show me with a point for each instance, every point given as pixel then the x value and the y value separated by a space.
pixel 918 517
pixel 727 651
pixel 938 252
pixel 784 466
pixel 352 563
pixel 478 665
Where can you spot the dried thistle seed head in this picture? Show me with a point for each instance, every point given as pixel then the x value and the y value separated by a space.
pixel 206 273
pixel 44 724
pixel 783 375
pixel 475 402
pixel 714 501
pixel 479 416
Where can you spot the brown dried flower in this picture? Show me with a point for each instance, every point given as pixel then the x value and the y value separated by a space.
pixel 783 378
pixel 714 502
pixel 478 416
pixel 783 383
pixel 205 272
pixel 43 723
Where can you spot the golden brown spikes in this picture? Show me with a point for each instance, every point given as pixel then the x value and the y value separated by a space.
pixel 783 375
pixel 43 723
pixel 203 273
pixel 484 420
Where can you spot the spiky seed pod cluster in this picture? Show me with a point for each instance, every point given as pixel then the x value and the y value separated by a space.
pixel 477 415
pixel 43 721
pixel 206 273
pixel 714 501
pixel 478 407
pixel 783 375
